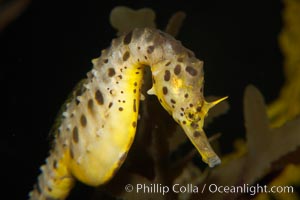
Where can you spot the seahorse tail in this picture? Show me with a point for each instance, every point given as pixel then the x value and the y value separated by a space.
pixel 54 182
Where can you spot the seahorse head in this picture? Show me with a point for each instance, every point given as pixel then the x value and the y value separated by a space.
pixel 179 87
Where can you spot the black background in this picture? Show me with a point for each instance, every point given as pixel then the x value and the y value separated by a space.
pixel 48 49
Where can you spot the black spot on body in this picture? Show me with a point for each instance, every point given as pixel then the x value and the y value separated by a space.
pixel 173 101
pixel 177 69
pixel 168 63
pixel 110 104
pixel 199 109
pixel 150 49
pixel 121 108
pixel 83 120
pixel 180 59
pixel 167 75
pixel 186 95
pixel 134 105
pixel 194 125
pixel 49 189
pixel 105 60
pixel 134 124
pixel 197 134
pixel 90 104
pixel 165 90
pixel 79 91
pixel 126 56
pixel 75 134
pixel 55 164
pixel 111 72
pixel 127 38
pixel 191 70
pixel 99 97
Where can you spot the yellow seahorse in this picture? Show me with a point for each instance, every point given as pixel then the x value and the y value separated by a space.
pixel 97 126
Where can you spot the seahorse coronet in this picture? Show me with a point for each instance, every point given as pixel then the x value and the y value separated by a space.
pixel 97 125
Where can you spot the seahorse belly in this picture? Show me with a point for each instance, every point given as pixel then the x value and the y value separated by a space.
pixel 101 145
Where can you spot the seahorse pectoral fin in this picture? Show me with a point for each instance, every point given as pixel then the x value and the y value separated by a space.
pixel 198 138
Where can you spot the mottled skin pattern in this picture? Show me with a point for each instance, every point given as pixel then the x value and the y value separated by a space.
pixel 97 126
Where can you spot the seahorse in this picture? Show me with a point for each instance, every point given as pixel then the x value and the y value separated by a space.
pixel 97 125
